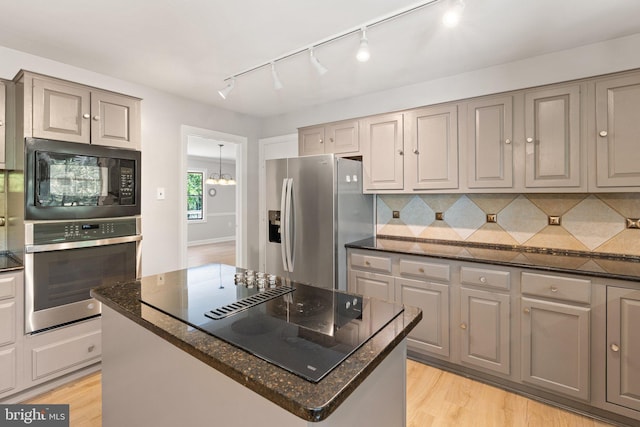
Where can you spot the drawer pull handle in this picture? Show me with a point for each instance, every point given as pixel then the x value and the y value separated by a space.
pixel 421 270
pixel 463 326
pixel 527 310
pixel 603 133
pixel 483 279
pixel 91 348
pixel 367 263
pixel 615 348
pixel 554 289
pixel 86 115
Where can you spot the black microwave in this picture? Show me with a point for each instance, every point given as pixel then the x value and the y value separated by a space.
pixel 68 180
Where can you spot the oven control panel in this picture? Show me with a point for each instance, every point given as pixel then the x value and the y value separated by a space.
pixel 73 231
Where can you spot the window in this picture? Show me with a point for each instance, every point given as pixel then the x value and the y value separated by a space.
pixel 195 195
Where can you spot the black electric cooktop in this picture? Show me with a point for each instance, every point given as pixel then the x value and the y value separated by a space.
pixel 301 328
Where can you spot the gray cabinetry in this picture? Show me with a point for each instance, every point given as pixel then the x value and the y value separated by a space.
pixel 431 142
pixel 555 336
pixel 489 142
pixel 382 143
pixel 617 132
pixel 10 332
pixel 3 122
pixel 623 347
pixel 339 138
pixel 62 110
pixel 553 132
pixel 370 275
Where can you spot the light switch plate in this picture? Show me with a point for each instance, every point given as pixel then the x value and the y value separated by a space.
pixel 160 193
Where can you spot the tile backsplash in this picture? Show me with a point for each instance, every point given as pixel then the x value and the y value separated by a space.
pixel 584 222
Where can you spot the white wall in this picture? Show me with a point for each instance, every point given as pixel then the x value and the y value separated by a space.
pixel 586 61
pixel 162 117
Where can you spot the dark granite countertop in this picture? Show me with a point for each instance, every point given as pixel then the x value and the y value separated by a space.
pixel 309 401
pixel 9 263
pixel 598 265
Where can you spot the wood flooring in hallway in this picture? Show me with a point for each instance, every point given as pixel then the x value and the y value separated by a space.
pixel 224 253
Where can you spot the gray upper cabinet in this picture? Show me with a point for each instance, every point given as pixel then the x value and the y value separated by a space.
pixel 489 142
pixel 66 111
pixel 623 347
pixel 617 132
pixel 431 141
pixel 3 123
pixel 383 152
pixel 553 132
pixel 339 138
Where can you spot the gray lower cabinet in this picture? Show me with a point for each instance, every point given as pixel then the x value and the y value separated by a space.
pixel 623 347
pixel 431 336
pixel 555 347
pixel 372 285
pixel 485 329
pixel 10 347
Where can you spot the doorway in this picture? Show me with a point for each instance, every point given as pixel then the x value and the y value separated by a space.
pixel 219 227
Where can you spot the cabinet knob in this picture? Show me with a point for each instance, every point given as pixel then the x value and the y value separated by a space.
pixel 483 279
pixel 554 289
pixel 321 141
pixel 463 326
pixel 86 115
pixel 421 270
pixel 91 348
pixel 1 123
pixel 416 151
pixel 529 140
pixel 401 152
pixel 603 133
pixel 96 118
pixel 527 310
pixel 615 348
pixel 507 141
pixel 367 263
pixel 330 139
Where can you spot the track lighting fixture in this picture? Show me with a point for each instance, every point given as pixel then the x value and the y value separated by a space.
pixel 321 69
pixel 277 84
pixel 363 54
pixel 227 90
pixel 452 16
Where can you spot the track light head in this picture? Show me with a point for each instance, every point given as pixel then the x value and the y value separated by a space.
pixel 277 84
pixel 320 69
pixel 227 89
pixel 363 54
pixel 452 16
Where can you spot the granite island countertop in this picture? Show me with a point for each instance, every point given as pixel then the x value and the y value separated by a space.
pixel 307 400
pixel 610 266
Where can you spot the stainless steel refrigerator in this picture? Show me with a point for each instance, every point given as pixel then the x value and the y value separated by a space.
pixel 315 206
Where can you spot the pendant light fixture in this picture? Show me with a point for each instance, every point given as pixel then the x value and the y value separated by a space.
pixel 220 178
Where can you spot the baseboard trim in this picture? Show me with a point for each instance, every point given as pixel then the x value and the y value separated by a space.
pixel 211 241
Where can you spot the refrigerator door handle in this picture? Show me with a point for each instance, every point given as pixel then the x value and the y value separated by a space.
pixel 290 226
pixel 284 224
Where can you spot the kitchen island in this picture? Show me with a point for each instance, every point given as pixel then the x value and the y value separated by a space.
pixel 159 369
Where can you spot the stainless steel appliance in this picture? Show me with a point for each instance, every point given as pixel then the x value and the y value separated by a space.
pixel 64 259
pixel 315 206
pixel 304 329
pixel 67 180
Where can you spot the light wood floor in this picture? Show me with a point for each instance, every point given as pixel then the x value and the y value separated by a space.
pixel 224 253
pixel 434 398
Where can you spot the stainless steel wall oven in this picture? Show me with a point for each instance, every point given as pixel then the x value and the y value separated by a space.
pixel 64 259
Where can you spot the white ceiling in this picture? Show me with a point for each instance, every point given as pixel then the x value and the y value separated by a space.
pixel 204 147
pixel 188 47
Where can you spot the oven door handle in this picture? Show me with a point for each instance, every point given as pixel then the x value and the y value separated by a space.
pixel 30 249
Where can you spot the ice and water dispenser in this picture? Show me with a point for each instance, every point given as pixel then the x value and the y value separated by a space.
pixel 274 227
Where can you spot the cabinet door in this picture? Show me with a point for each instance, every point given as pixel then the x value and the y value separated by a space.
pixel 7 322
pixel 3 127
pixel 371 285
pixel 555 347
pixel 115 120
pixel 432 137
pixel 623 347
pixel 311 141
pixel 8 369
pixel 552 135
pixel 618 132
pixel 432 333
pixel 61 111
pixel 489 143
pixel 382 141
pixel 485 330
pixel 343 137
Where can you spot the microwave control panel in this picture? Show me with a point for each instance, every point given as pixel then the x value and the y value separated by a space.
pixel 73 231
pixel 126 185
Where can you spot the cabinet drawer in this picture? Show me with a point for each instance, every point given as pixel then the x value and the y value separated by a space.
pixel 484 277
pixel 557 287
pixel 7 287
pixel 426 270
pixel 66 354
pixel 7 322
pixel 370 262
